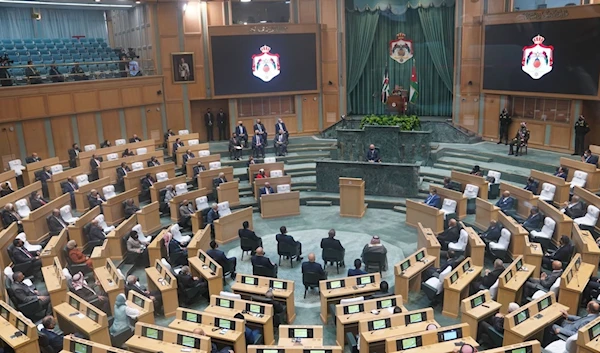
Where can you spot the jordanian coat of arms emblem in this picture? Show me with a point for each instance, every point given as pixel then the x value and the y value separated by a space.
pixel 401 49
pixel 537 58
pixel 266 65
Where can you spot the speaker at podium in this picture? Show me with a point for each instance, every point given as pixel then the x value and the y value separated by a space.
pixel 352 197
pixel 397 102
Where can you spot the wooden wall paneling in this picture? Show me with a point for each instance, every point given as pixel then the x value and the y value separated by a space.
pixel 32 107
pixel 150 94
pixel 61 103
pixel 470 73
pixel 167 17
pixel 191 18
pixel 9 146
pixel 131 96
pixel 469 113
pixel 472 41
pixel 328 13
pixel 10 108
pixel 109 99
pixel 472 10
pixel 154 121
pixel 198 109
pixel 216 13
pixel 310 113
pixel 111 125
pixel 290 123
pixel 490 116
pixel 331 113
pixel 591 111
pixel 307 12
pixel 175 119
pixel 86 101
pixel 86 125
pixel 330 76
pixel 133 121
pixel 194 44
pixel 561 136
pixel 34 133
pixel 496 6
pixel 62 135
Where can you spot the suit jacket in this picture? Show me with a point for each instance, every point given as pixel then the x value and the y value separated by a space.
pixel 135 288
pixel 534 221
pixel 433 201
pixel 561 175
pixel 130 210
pixel 373 155
pixel 45 176
pixel 36 203
pixel 576 211
pixel 233 143
pixel 219 257
pixel 577 322
pixel 23 293
pixel 493 233
pixel 329 243
pixel 284 139
pixel 249 234
pixel 187 281
pixel 197 170
pixel 147 183
pixel 532 187
pixel 73 153
pixel 505 204
pixel 262 128
pixel 563 253
pixel 450 235
pixel 55 340
pixel 550 279
pixel 121 172
pixel 68 187
pixel 315 267
pixel 8 218
pixel 96 234
pixel 222 119
pixel 5 192
pixel 280 126
pixel 94 164
pixel 185 211
pixel 212 216
pixel 255 140
pixel 219 181
pixel 263 190
pixel 262 261
pixel 284 238
pixel 243 131
pixel 153 163
pixel 32 160
pixel 355 272
pixel 54 224
pixel 592 159
pixel 489 279
pixel 95 201
pixel 176 146
pixel 136 139
pixel 20 255
pixel 209 119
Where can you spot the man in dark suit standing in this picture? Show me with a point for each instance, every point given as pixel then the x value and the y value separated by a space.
pixel 280 125
pixel 94 164
pixel 587 157
pixel 33 158
pixel 489 277
pixel 581 129
pixel 258 145
pixel 260 127
pixel 96 232
pixel 153 162
pixel 45 175
pixel 505 121
pixel 313 267
pixel 574 208
pixel 373 155
pixel 176 146
pixel 450 235
pixel 492 233
pixel 534 221
pixel 70 186
pixel 222 123
pixel 121 173
pixel 134 139
pixel 259 259
pixel 73 153
pixel 56 223
pixel 284 238
pixel 247 233
pixel 228 263
pixel 241 133
pixel 267 189
pixel 209 121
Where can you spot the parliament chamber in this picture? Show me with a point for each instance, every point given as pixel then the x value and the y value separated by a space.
pixel 301 176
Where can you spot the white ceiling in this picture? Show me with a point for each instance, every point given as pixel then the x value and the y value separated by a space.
pixel 72 4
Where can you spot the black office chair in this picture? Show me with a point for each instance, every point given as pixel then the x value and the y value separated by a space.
pixel 26 267
pixel 374 260
pixel 31 309
pixel 278 318
pixel 44 343
pixel 163 207
pixel 334 256
pixel 311 280
pixel 287 250
pixel 248 246
pixel 188 296
pixel 351 341
pixel 73 267
pixel 496 338
pixel 90 245
pixel 264 271
pixel 119 339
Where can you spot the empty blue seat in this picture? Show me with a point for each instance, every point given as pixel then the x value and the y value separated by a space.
pixel 37 62
pixel 59 61
pixel 8 46
pixel 48 62
pixel 35 57
pixel 69 45
pixel 97 59
pixel 27 41
pixel 95 45
pixel 7 41
pixel 45 52
pixel 30 45
pixel 39 40
pixel 47 40
pixel 74 40
pixel 76 57
pixel 19 46
pixel 23 61
pixel 113 67
pixel 100 40
pixel 104 45
pixel 47 57
pixel 64 70
pixel 17 41
pixel 64 51
pixel 54 51
pixel 14 58
pixel 103 67
pixel 12 52
pixel 18 72
pixel 84 40
pixel 23 52
pixel 73 51
pixel 86 55
pixel 56 41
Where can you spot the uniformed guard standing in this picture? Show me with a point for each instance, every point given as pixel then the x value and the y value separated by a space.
pixel 505 121
pixel 581 128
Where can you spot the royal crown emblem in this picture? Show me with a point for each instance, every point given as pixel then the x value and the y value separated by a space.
pixel 537 58
pixel 266 65
pixel 401 49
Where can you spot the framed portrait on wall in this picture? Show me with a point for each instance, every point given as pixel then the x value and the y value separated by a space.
pixel 183 67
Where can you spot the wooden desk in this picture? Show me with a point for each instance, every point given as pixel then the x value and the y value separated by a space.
pixel 564 223
pixel 274 182
pixel 56 283
pixel 461 201
pixel 573 281
pixel 114 211
pixel 149 218
pixel 54 249
pixel 430 341
pixel 26 343
pixel 109 168
pixel 465 179
pixel 561 194
pixel 159 185
pixel 156 248
pixel 530 346
pixel 309 335
pixel 430 217
pixel 22 193
pixel 475 246
pixel 188 320
pixel 35 225
pixel 190 196
pixel 589 198
pixel 457 284
pixel 200 240
pixel 166 283
pixel 31 168
pixel 167 341
pixel 9 177
pixel 334 290
pixel 54 188
pixel 510 283
pixel 407 273
pixel 76 231
pixel 184 138
pixel 7 236
pixel 283 290
pixel 204 266
pixel 115 247
pixel 226 227
pixel 587 337
pixel 347 316
pixel 280 205
pixel 84 157
pixel 257 315
pixel 71 342
pixel 533 326
pixel 77 315
pixel 111 280
pixel 485 212
pixel 427 239
pixel 81 195
pixel 586 245
pixel 268 167
pixel 593 179
pixel 132 179
pixel 229 191
pixel 144 305
pixel 100 254
pixel 195 149
pixel 478 307
pixel 192 162
pixel 445 347
pixel 296 349
pixel 525 198
pixel 519 243
pixel 205 178
pixel 372 339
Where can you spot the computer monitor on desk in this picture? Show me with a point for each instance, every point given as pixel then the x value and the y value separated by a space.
pixel 317 351
pixel 420 255
pixel 90 313
pixel 253 281
pixel 521 316
pixel 4 312
pixel 405 265
pixel 168 278
pixel 270 350
pixel 78 347
pixel 415 318
pixel 192 317
pixel 158 267
pixel 408 343
pixel 153 333
pixel 466 266
pixel 354 308
pixel 202 257
pixel 74 303
pixel 365 280
pixel 450 335
pixel 336 284
pixel 544 303
pixel 526 349
pixel 300 333
pixel 454 277
pixel 255 308
pixel 477 301
pixel 508 276
pixel 22 326
pixel 519 264
pixel 277 284
pixel 212 267
pixel 224 323
pixel 187 341
pixel 139 301
pixel 379 324
pixel 386 303
pixel 225 303
pixel 594 331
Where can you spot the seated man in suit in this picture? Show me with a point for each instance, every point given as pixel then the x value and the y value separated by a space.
pixel 178 143
pixel 562 254
pixel 146 183
pixel 127 153
pixel 95 199
pixel 55 340
pixel 105 144
pixel 228 263
pixel 70 186
pixel 247 233
pixel 571 323
pixel 121 173
pixel 199 167
pixel 5 189
pixel 506 203
pixel 134 139
pixel 153 162
pixel 186 157
pixel 587 157
pixel 280 142
pixel 493 233
pixel 36 200
pixel 373 154
pixel 280 125
pixel 56 223
pixel 220 180
pixel 213 214
pixel 185 280
pixel 10 216
pixel 235 147
pixel 384 291
pixel 170 193
pixel 574 208
pixel 356 271
pixel 545 280
pixel 186 211
pixel 44 176
pixel 25 294
pixel 258 145
pixel 33 158
pixel 259 259
pixel 250 334
pixel 21 255
pixel 450 235
pixel 532 185
pixel 267 189
pixel 331 243
pixel 489 277
pixel 130 208
pixel 134 285
pixel 534 221
pixel 241 134
pixel 260 127
pixel 561 173
pixel 284 238
pixel 73 153
pixel 375 247
pixel 96 232
pixel 433 199
pixel 312 266
pixel 496 322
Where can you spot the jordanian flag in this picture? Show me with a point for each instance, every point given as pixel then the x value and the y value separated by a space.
pixel 385 86
pixel 414 84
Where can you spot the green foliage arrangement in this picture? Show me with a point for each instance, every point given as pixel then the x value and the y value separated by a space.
pixel 404 122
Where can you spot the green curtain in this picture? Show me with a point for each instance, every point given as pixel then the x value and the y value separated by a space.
pixel 435 91
pixel 360 33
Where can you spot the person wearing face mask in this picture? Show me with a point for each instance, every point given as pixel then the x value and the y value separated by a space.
pixel 505 121
pixel 590 158
pixel 520 140
pixel 433 199
pixel 373 154
pixel 581 129
pixel 242 134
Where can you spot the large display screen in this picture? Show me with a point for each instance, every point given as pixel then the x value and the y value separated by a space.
pixel 256 64
pixel 547 57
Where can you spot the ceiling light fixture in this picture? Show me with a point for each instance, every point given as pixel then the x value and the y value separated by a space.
pixel 245 0
pixel 98 0
pixel 53 3
pixel 185 6
pixel 138 2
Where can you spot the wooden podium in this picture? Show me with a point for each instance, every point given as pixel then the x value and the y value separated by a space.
pixel 352 197
pixel 396 103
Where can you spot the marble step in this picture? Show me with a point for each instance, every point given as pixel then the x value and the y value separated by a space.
pixel 319 203
pixel 504 158
pixel 467 156
pixel 399 209
pixel 451 167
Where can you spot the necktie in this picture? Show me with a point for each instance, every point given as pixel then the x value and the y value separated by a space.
pixel 42 201
pixel 258 140
pixel 26 252
pixel 124 171
pixel 61 222
pixel 259 128
pixel 267 191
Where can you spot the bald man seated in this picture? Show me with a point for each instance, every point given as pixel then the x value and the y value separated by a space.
pixel 373 155
pixel 571 323
pixel 213 349
pixel 259 259
pixel 311 266
pixel 545 280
